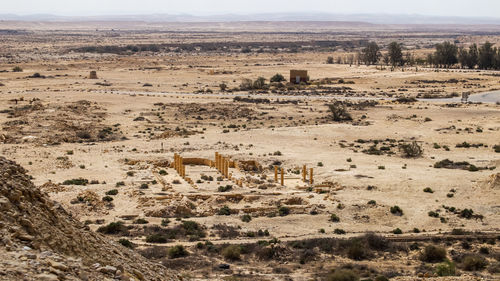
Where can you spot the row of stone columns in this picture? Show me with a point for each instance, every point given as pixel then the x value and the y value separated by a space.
pixel 304 174
pixel 222 165
pixel 282 175
pixel 179 165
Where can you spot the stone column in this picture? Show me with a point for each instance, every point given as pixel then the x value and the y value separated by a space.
pixel 180 165
pixel 282 176
pixel 220 163
pixel 304 173
pixel 311 181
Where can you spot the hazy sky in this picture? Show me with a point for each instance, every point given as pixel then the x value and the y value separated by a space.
pixel 469 8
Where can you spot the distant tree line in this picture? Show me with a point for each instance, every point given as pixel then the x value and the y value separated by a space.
pixel 446 55
pixel 483 57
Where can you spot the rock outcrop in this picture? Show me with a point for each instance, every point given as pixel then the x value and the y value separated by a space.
pixel 41 241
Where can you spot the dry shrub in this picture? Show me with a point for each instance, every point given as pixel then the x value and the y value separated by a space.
pixel 411 150
pixel 433 254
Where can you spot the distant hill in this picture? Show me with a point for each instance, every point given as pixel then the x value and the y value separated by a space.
pixel 366 18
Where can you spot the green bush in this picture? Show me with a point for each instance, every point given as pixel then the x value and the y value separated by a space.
pixel 466 213
pixel 156 238
pixel 428 190
pixel 447 268
pixel 342 275
pixel 277 78
pixel 232 252
pixel 339 231
pixel 112 228
pixel 433 254
pixel 473 168
pixel 224 211
pixel 284 211
pixel 79 181
pixel 141 221
pixel 433 214
pixel 246 218
pixel 165 222
pixel 107 198
pixel 112 192
pixel 474 263
pixel 484 250
pixel 397 231
pixel 357 251
pixel 225 188
pixel 396 210
pixel 17 69
pixel 334 218
pixel 377 242
pixel 126 243
pixel 497 148
pixel 458 231
pixel 177 251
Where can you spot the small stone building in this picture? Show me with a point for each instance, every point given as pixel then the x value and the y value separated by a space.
pixel 93 75
pixel 297 76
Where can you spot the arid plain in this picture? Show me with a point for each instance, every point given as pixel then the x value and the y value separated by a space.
pixel 104 148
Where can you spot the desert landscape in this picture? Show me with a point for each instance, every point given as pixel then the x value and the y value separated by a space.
pixel 191 151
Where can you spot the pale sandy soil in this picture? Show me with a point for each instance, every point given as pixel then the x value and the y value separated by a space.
pixel 303 133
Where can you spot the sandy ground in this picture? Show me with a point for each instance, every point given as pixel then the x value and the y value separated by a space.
pixel 49 114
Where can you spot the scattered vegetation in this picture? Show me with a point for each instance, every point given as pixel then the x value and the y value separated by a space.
pixel 224 211
pixel 232 252
pixel 339 112
pixel 112 192
pixel 334 218
pixel 283 211
pixel 396 210
pixel 411 150
pixel 342 275
pixel 428 190
pixel 474 263
pixel 113 228
pixel 79 181
pixel 126 243
pixel 246 218
pixel 177 251
pixel 433 254
pixel 225 188
pixel 447 268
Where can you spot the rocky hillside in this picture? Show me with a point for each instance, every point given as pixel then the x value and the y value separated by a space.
pixel 41 241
